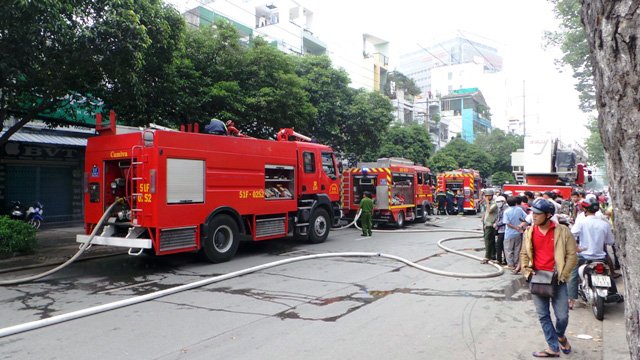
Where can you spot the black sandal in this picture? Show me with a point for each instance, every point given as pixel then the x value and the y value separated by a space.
pixel 545 354
pixel 565 347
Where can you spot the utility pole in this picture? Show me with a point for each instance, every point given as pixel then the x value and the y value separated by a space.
pixel 524 102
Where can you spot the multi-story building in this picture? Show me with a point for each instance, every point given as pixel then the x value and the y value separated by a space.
pixel 285 23
pixel 466 113
pixel 420 64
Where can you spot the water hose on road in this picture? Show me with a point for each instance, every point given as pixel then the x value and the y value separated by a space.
pixel 12 330
pixel 84 247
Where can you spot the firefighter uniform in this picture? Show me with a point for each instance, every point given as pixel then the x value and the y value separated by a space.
pixel 366 205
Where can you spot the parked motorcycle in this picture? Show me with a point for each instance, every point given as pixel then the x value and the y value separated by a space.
pixel 34 214
pixel 595 287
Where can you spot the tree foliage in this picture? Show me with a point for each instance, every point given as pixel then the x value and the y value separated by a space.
pixel 55 54
pixel 502 177
pixel 410 142
pixel 595 149
pixel 441 161
pixel 400 82
pixel 369 114
pixel 572 41
pixel 467 156
pixel 500 145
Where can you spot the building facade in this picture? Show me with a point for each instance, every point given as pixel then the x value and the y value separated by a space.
pixel 46 165
pixel 458 50
pixel 466 114
pixel 285 23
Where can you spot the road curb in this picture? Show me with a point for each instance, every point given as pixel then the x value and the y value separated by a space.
pixel 57 262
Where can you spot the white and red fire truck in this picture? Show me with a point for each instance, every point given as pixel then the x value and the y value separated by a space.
pixel 189 192
pixel 401 190
pixel 467 180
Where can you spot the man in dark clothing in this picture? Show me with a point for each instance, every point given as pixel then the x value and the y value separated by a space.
pixel 216 127
pixel 366 217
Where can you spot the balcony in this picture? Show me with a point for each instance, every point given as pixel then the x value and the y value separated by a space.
pixel 312 45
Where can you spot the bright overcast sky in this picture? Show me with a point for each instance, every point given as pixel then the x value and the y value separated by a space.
pixel 514 27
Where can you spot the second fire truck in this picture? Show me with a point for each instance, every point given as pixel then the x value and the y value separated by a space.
pixel 401 190
pixel 467 180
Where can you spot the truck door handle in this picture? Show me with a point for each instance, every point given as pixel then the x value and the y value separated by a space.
pixel 304 188
pixel 322 187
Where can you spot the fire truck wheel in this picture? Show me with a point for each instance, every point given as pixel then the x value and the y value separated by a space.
pixel 319 225
pixel 400 220
pixel 222 239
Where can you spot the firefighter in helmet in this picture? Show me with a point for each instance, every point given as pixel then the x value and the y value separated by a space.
pixel 366 207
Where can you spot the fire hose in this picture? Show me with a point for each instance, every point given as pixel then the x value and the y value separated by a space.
pixel 158 294
pixel 84 247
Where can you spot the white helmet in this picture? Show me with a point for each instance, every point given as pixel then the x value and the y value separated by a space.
pixel 501 199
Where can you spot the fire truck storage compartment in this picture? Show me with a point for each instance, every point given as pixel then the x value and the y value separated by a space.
pixel 278 182
pixel 271 226
pixel 362 183
pixel 454 185
pixel 177 238
pixel 185 181
pixel 113 169
pixel 402 189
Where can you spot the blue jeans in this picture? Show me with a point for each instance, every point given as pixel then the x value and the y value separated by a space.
pixel 561 310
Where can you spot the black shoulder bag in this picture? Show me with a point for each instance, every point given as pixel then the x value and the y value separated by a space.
pixel 543 282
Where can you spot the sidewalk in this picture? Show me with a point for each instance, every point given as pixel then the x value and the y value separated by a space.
pixel 55 246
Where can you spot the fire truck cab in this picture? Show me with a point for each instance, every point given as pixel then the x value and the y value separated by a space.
pixel 467 180
pixel 193 192
pixel 401 190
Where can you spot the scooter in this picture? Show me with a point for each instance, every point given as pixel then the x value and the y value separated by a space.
pixel 33 215
pixel 595 285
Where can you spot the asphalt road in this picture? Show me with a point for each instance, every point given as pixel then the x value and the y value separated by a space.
pixel 318 309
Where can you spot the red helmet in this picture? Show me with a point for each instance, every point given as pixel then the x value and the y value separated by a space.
pixel 557 192
pixel 230 123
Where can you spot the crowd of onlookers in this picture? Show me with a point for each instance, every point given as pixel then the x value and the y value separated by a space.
pixel 538 232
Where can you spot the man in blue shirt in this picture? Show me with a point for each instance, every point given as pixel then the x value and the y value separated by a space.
pixel 592 234
pixel 512 219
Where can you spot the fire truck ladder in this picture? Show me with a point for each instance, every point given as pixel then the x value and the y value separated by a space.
pixel 135 180
pixel 346 190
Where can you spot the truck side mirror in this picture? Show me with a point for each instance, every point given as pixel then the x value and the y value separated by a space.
pixel 589 178
pixel 340 167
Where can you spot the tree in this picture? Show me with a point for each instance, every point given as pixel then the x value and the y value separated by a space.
pixel 329 93
pixel 595 150
pixel 369 114
pixel 572 40
pixel 441 161
pixel 612 33
pixel 502 177
pixel 469 156
pixel 401 82
pixel 410 142
pixel 53 55
pixel 500 145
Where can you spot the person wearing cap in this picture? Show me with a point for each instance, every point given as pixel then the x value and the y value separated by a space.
pixel 366 216
pixel 593 235
pixel 488 219
pixel 551 247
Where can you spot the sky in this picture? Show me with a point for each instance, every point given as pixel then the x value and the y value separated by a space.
pixel 515 27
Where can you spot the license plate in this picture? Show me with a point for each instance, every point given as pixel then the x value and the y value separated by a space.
pixel 601 281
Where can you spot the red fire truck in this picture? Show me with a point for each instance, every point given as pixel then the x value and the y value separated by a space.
pixel 401 190
pixel 188 192
pixel 467 180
